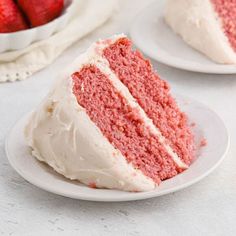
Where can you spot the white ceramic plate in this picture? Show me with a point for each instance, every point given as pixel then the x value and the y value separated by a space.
pixel 208 125
pixel 153 36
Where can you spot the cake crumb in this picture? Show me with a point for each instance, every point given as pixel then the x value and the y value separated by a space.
pixel 203 142
pixel 92 185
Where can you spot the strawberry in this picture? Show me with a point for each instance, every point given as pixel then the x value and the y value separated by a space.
pixel 11 18
pixel 40 12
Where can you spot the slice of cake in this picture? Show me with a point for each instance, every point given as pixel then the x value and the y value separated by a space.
pixel 110 122
pixel 207 25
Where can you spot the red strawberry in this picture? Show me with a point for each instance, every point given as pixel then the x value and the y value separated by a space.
pixel 11 18
pixel 40 12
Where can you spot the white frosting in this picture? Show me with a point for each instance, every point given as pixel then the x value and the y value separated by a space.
pixel 198 24
pixel 62 135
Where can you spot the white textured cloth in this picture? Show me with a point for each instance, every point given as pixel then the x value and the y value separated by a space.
pixel 18 65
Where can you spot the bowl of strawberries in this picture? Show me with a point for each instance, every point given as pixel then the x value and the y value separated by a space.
pixel 23 22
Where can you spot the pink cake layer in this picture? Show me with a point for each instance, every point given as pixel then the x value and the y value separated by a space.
pixel 153 96
pixel 121 125
pixel 226 10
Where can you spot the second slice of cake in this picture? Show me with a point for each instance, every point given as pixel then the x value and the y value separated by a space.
pixel 209 26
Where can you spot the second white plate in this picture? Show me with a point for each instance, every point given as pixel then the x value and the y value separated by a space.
pixel 153 36
pixel 208 125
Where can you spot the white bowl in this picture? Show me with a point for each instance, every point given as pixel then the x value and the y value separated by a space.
pixel 22 39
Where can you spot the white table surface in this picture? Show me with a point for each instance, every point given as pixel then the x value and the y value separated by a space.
pixel 207 208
